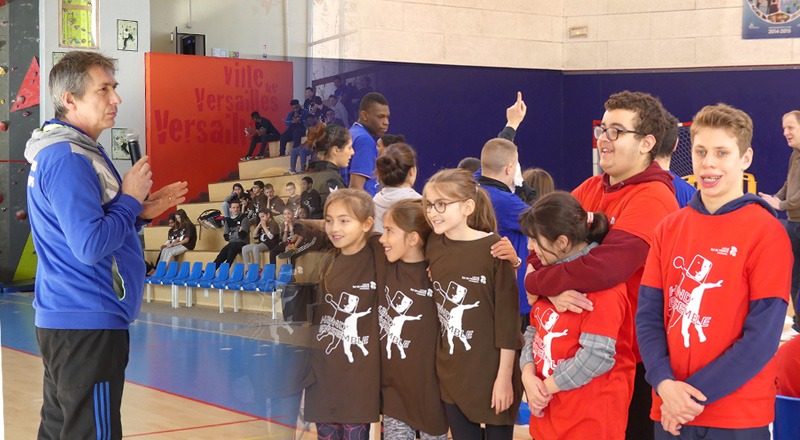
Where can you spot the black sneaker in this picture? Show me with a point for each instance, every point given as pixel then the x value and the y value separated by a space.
pixel 245 159
pixel 258 157
pixel 287 254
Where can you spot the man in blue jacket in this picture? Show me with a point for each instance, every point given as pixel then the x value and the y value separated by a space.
pixel 295 126
pixel 90 276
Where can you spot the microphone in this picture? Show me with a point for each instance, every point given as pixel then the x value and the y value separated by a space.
pixel 132 141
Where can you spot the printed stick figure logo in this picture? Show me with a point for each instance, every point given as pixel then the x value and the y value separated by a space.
pixel 393 326
pixel 543 347
pixel 685 304
pixel 453 319
pixel 346 330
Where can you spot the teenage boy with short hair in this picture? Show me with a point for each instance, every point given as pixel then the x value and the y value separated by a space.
pixel 635 194
pixel 714 295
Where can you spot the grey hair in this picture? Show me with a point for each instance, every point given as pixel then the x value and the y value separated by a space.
pixel 71 74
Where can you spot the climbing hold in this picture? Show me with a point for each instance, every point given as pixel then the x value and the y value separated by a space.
pixel 2 101
pixel 3 126
pixel 21 215
pixel 26 114
pixel 3 71
pixel 1 198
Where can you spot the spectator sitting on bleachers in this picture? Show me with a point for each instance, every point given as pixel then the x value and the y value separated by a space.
pixel 319 109
pixel 247 206
pixel 308 104
pixel 187 237
pixel 397 169
pixel 259 199
pixel 293 202
pixel 312 240
pixel 330 118
pixel 388 140
pixel 295 126
pixel 274 203
pixel 292 235
pixel 471 164
pixel 236 232
pixel 263 132
pixel 172 235
pixel 310 198
pixel 304 150
pixel 268 234
pixel 237 192
pixel 342 92
pixel 334 148
pixel 339 109
pixel 540 180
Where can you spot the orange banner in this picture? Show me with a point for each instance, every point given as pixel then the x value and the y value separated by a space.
pixel 198 108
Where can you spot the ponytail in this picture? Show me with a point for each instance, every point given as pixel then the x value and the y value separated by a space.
pixel 457 184
pixel 559 213
pixel 598 228
pixel 327 137
pixel 409 216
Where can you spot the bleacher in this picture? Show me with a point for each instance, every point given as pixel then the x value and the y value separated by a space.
pixel 210 241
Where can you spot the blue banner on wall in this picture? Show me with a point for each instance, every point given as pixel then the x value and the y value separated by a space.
pixel 771 19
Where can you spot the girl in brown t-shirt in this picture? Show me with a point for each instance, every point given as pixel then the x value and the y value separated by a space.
pixel 478 308
pixel 345 398
pixel 409 329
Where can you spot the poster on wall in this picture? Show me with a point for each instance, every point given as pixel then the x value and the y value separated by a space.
pixel 198 108
pixel 771 19
pixel 77 24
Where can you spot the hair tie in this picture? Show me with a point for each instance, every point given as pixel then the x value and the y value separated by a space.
pixel 589 218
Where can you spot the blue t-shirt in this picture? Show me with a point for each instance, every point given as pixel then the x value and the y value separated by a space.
pixel 363 161
pixel 683 190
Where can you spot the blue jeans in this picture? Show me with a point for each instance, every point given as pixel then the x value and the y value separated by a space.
pixel 793 230
pixel 691 432
pixel 304 152
pixel 295 134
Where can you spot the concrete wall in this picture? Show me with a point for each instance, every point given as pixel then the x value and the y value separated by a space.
pixel 254 28
pixel 498 33
pixel 130 65
pixel 665 34
pixel 622 34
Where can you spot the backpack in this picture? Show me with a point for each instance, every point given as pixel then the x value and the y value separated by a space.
pixel 211 219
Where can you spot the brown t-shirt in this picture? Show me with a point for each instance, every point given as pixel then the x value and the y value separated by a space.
pixel 478 305
pixel 346 358
pixel 259 202
pixel 409 329
pixel 276 205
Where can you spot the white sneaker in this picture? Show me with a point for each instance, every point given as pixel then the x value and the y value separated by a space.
pixel 789 334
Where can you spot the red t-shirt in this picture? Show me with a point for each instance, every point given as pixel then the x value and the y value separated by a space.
pixel 710 268
pixel 787 362
pixel 635 209
pixel 598 409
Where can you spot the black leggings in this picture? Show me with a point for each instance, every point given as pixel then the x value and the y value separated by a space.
pixel 463 429
pixel 229 253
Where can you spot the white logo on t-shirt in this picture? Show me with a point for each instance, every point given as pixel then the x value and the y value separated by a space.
pixel 392 326
pixel 452 320
pixel 346 330
pixel 685 304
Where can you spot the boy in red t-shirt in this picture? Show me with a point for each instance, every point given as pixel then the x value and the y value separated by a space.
pixel 714 295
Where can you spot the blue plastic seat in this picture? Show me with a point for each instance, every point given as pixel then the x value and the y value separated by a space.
pixel 161 270
pixel 267 276
pixel 233 284
pixel 284 277
pixel 182 272
pixel 787 418
pixel 222 275
pixel 192 282
pixel 236 275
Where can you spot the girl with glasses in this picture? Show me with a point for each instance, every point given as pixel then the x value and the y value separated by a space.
pixel 478 307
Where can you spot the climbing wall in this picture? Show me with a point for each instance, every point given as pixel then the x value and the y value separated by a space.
pixel 19 115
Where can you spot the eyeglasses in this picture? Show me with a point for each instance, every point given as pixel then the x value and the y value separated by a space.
pixel 438 206
pixel 612 133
